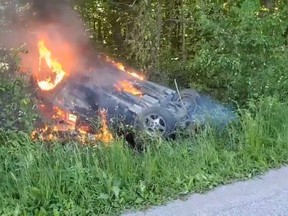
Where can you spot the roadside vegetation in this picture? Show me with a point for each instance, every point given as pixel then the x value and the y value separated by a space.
pixel 82 180
pixel 235 50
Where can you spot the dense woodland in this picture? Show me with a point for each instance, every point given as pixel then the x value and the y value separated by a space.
pixel 230 49
pixel 234 50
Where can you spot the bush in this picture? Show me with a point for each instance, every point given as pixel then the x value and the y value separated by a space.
pixel 17 110
pixel 231 49
pixel 243 52
pixel 235 51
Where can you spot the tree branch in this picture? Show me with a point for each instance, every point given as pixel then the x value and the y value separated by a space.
pixel 124 4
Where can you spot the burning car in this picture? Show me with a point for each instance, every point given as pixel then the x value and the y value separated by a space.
pixel 154 109
pixel 124 100
pixel 128 99
pixel 73 87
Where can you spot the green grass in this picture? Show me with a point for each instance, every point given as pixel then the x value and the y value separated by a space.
pixel 73 180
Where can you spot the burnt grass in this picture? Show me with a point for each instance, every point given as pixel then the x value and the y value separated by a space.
pixel 74 179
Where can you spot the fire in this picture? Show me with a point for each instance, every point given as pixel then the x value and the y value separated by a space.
pixel 50 82
pixel 104 134
pixel 68 126
pixel 136 75
pixel 50 71
pixel 64 122
pixel 60 114
pixel 43 134
pixel 121 67
pixel 128 87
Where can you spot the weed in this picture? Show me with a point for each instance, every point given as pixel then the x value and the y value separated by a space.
pixel 83 180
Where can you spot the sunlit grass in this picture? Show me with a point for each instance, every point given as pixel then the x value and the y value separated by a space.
pixel 79 180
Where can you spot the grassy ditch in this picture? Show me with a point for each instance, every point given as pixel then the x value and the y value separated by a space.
pixel 73 180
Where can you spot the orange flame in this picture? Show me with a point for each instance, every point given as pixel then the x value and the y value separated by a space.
pixel 67 117
pixel 127 86
pixel 121 67
pixel 53 65
pixel 58 113
pixel 51 133
pixel 104 135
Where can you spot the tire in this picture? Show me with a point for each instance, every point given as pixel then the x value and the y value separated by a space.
pixel 189 93
pixel 156 121
pixel 188 97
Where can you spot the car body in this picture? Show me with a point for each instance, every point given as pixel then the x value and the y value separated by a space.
pixel 156 110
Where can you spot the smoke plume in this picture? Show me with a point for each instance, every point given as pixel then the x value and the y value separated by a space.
pixel 59 25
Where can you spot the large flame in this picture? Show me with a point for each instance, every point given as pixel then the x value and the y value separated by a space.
pixel 51 73
pixel 128 87
pixel 55 67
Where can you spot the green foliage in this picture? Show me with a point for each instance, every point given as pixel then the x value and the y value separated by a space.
pixel 73 180
pixel 108 23
pixel 231 49
pixel 16 104
pixel 243 53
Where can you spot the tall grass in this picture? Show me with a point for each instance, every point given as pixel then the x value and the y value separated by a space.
pixel 81 180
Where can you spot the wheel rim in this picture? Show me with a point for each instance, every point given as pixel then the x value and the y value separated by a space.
pixel 183 100
pixel 154 124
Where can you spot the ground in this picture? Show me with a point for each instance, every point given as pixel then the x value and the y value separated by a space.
pixel 264 195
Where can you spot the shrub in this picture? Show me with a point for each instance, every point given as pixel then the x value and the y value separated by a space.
pixel 16 102
pixel 243 52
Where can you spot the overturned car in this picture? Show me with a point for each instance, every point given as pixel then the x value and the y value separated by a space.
pixel 132 102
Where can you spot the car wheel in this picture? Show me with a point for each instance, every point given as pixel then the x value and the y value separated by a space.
pixel 156 121
pixel 189 97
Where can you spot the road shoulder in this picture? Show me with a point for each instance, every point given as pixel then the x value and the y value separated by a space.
pixel 227 199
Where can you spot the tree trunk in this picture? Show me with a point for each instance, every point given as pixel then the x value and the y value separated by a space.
pixel 184 52
pixel 159 33
pixel 99 30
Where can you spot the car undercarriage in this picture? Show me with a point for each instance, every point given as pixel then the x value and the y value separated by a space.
pixel 150 108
